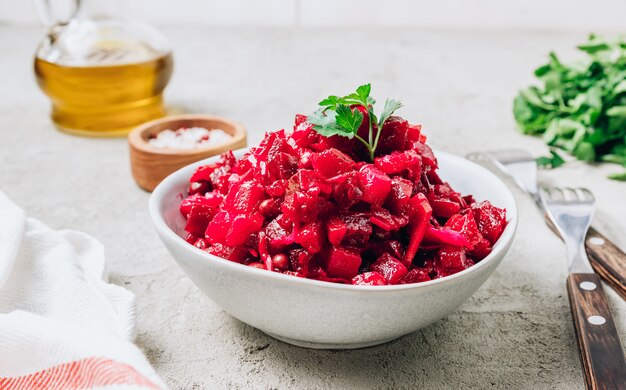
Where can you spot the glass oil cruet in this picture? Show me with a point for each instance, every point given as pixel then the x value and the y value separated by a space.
pixel 103 71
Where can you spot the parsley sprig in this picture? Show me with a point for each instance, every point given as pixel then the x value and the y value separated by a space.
pixel 339 116
pixel 580 107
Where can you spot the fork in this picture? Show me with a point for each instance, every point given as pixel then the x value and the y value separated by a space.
pixel 602 357
pixel 606 258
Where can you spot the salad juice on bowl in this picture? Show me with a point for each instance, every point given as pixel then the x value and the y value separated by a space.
pixel 338 234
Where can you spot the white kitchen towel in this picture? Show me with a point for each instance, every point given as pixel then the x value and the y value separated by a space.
pixel 62 326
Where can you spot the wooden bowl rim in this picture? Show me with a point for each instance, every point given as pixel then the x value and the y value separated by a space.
pixel 136 139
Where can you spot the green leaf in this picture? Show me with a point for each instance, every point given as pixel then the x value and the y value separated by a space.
pixel 363 91
pixel 533 97
pixel 336 117
pixel 551 161
pixel 391 106
pixel 325 123
pixel 614 158
pixel 348 119
pixel 593 46
pixel 584 151
pixel 618 176
pixel 542 70
pixel 616 111
pixel 361 96
pixel 620 87
pixel 330 102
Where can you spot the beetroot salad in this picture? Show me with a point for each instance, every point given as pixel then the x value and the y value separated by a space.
pixel 346 197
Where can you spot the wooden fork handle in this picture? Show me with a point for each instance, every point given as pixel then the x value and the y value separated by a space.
pixel 605 257
pixel 599 345
pixel 607 260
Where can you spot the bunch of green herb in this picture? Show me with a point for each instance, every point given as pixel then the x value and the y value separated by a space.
pixel 580 107
pixel 336 116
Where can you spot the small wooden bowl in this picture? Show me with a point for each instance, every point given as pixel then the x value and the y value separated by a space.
pixel 150 165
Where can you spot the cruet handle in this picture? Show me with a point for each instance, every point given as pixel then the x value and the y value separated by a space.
pixel 48 17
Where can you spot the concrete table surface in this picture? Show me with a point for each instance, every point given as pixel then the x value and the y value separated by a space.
pixel 514 333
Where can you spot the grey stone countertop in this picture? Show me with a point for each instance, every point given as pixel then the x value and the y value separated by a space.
pixel 514 333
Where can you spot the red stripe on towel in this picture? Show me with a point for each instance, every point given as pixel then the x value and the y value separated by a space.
pixel 80 374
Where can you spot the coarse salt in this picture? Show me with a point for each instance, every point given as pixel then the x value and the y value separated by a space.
pixel 189 138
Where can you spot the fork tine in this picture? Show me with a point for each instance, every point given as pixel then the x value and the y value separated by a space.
pixel 477 156
pixel 570 194
pixel 587 195
pixel 556 194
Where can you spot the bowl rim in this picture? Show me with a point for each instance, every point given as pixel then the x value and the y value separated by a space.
pixel 502 245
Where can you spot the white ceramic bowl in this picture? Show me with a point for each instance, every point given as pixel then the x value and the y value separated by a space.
pixel 317 314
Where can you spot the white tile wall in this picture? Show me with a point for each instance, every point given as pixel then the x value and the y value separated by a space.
pixel 576 15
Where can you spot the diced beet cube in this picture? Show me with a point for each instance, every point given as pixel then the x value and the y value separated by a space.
pixel 235 254
pixel 445 201
pixel 199 187
pixel 491 220
pixel 242 227
pixel 453 259
pixel 342 262
pixel 203 173
pixel 299 260
pixel 375 184
pixel 336 230
pixel 244 197
pixel 399 195
pixel 428 157
pixel 218 228
pixel 390 268
pixel 369 279
pixel 416 275
pixel 306 160
pixel 414 132
pixel 276 188
pixel 305 207
pixel 312 237
pixel 481 249
pixel 394 135
pixel 198 219
pixel 211 200
pixel 444 208
pixel 299 119
pixel 348 191
pixel 466 225
pixel 313 181
pixel 343 144
pixel 279 236
pixel 282 165
pixel 332 162
pixel 397 162
pixel 386 221
pixel 358 228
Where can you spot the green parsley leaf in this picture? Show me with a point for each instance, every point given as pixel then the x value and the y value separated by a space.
pixel 361 96
pixel 579 107
pixel 552 161
pixel 348 119
pixel 618 176
pixel 325 123
pixel 330 102
pixel 336 117
pixel 391 106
